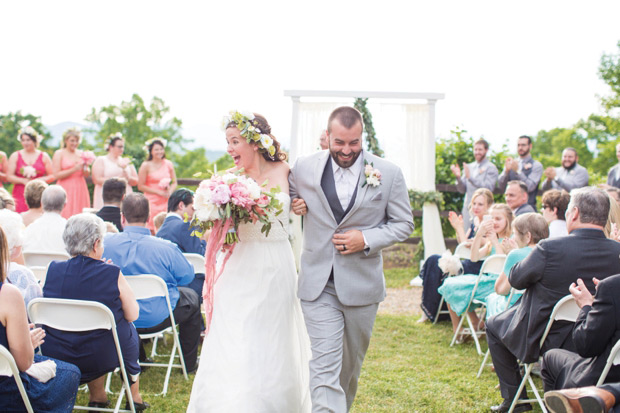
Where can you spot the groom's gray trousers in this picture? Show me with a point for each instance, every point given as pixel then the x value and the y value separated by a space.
pixel 339 336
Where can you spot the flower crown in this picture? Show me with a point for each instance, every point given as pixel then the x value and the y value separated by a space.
pixel 29 130
pixel 106 144
pixel 248 128
pixel 73 131
pixel 153 140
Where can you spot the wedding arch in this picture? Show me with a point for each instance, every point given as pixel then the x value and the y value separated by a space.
pixel 405 125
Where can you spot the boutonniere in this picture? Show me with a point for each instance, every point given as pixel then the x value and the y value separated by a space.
pixel 373 176
pixel 481 170
pixel 527 166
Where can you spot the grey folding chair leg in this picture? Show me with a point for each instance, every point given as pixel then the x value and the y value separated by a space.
pixel 439 312
pixel 484 361
pixel 527 378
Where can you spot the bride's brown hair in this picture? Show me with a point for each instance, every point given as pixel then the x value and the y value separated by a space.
pixel 265 129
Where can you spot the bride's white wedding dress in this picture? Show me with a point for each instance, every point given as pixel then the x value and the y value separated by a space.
pixel 255 357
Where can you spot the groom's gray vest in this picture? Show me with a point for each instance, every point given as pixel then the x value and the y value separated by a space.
pixel 329 188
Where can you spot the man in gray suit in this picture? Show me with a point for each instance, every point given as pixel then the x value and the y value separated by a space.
pixel 357 204
pixel 569 176
pixel 524 169
pixel 479 174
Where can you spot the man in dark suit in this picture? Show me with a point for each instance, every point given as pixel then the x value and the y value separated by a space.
pixel 176 229
pixel 113 193
pixel 546 274
pixel 516 198
pixel 596 331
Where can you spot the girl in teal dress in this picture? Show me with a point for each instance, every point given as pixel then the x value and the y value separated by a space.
pixel 528 229
pixel 457 290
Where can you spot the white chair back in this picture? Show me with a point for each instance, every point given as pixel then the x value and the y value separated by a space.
pixel 8 367
pixel 43 258
pixel 494 264
pixel 612 360
pixel 462 251
pixel 197 260
pixel 147 286
pixel 77 316
pixel 40 273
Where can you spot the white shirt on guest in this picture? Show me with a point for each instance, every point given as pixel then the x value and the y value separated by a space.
pixel 346 180
pixel 557 228
pixel 45 234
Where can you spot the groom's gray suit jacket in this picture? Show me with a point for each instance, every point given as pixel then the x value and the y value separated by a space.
pixel 382 213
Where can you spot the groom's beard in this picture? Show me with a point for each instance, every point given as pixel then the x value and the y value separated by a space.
pixel 345 162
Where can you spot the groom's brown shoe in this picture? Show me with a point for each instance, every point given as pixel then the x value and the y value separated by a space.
pixel 582 400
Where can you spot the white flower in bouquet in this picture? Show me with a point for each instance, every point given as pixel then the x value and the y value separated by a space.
pixel 28 171
pixel 254 189
pixel 230 178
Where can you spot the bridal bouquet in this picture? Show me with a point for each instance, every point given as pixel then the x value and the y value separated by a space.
pixel 88 157
pixel 221 203
pixel 123 162
pixel 28 171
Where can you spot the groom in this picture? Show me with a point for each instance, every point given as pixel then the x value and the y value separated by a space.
pixel 352 211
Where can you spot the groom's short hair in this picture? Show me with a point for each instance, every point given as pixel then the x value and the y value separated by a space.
pixel 347 116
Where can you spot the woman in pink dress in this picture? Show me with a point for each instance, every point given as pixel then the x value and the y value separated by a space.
pixel 70 169
pixel 112 165
pixel 4 167
pixel 156 178
pixel 27 164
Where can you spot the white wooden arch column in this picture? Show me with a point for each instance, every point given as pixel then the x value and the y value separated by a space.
pixel 405 127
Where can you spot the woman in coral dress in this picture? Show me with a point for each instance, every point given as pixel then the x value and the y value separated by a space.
pixel 27 164
pixel 156 178
pixel 70 169
pixel 4 167
pixel 112 165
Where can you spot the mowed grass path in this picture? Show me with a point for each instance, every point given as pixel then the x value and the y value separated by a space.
pixel 409 367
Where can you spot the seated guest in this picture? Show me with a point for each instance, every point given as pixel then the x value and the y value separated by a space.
pixel 516 198
pixel 176 229
pixel 136 251
pixel 613 176
pixel 57 394
pixel 601 399
pixel 569 176
pixel 6 200
pixel 18 275
pixel 32 195
pixel 527 230
pixel 113 193
pixel 431 274
pixel 457 290
pixel 158 221
pixel 546 273
pixel 596 331
pixel 87 277
pixel 554 204
pixel 45 233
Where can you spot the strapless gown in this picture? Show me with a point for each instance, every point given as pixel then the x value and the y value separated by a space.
pixel 255 357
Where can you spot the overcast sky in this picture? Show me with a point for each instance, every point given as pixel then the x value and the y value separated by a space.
pixel 506 68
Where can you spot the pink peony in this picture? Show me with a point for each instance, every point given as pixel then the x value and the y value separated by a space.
pixel 221 194
pixel 88 157
pixel 123 162
pixel 241 195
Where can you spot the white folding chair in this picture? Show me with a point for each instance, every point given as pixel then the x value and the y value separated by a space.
pixel 492 265
pixel 40 272
pixel 78 316
pixel 8 367
pixel 43 258
pixel 197 260
pixel 148 286
pixel 612 360
pixel 463 252
pixel 566 310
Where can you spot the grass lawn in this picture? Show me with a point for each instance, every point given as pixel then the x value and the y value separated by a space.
pixel 409 367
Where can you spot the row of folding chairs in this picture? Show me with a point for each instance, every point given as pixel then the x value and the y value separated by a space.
pixel 80 315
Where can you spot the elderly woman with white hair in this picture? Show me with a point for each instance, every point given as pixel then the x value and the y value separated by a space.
pixel 87 277
pixel 18 275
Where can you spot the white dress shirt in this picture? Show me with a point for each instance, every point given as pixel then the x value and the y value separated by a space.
pixel 346 180
pixel 45 234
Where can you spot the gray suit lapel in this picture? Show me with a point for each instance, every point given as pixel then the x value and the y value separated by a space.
pixel 318 174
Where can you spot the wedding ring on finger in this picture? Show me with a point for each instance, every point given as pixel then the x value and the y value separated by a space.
pixel 344 247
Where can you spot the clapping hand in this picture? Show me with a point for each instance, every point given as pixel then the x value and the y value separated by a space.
pixel 550 173
pixel 509 244
pixel 36 336
pixel 456 171
pixel 614 233
pixel 581 293
pixel 455 220
pixel 299 207
pixel 508 164
pixel 486 228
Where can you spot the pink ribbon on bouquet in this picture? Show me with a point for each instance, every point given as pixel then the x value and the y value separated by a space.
pixel 217 239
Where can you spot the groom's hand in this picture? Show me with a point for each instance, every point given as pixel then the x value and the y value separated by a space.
pixel 298 206
pixel 349 242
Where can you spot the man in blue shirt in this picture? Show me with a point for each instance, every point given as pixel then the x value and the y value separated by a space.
pixel 135 251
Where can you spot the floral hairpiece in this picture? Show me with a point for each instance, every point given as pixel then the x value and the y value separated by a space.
pixel 113 136
pixel 73 131
pixel 153 140
pixel 29 130
pixel 248 128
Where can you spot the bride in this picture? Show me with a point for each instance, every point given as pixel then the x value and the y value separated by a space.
pixel 255 356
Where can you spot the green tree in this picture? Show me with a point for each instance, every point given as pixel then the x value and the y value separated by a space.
pixel 10 125
pixel 194 164
pixel 138 122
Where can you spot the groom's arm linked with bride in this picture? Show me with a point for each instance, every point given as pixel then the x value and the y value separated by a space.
pixel 354 205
